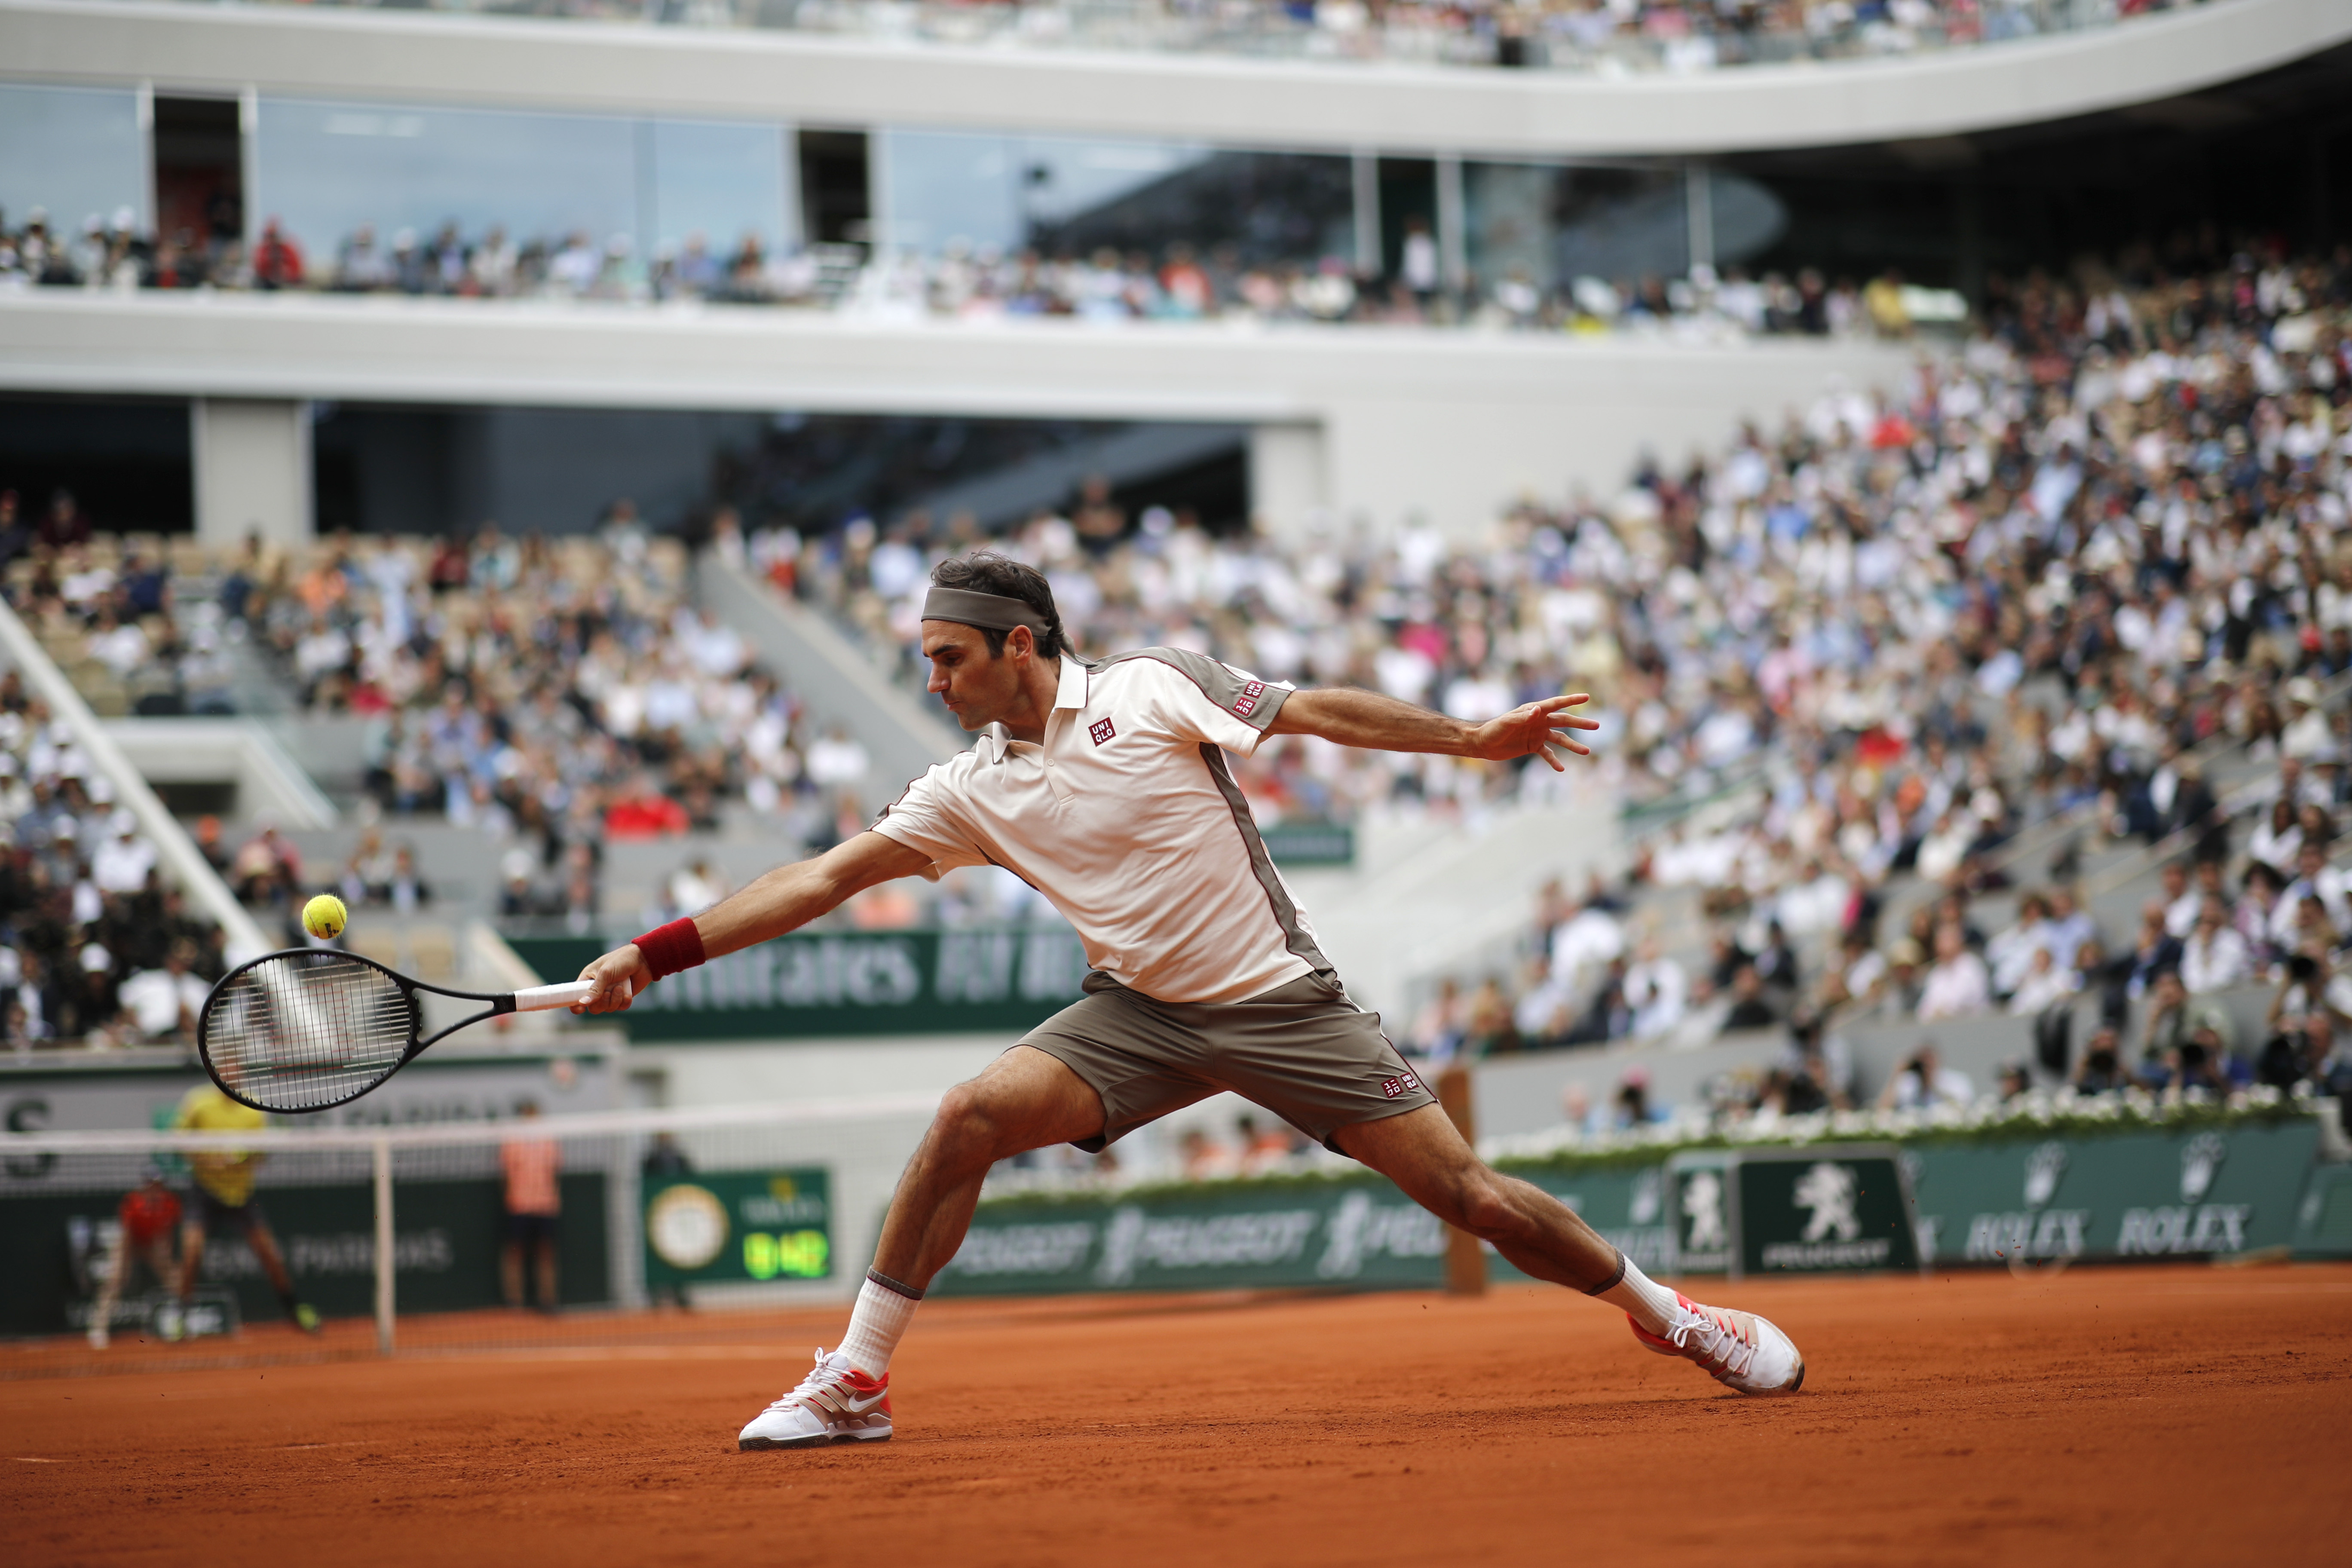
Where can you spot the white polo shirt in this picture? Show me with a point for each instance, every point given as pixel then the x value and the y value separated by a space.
pixel 1129 820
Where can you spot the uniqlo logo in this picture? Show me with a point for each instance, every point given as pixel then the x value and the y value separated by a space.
pixel 1248 705
pixel 1395 1088
pixel 1101 730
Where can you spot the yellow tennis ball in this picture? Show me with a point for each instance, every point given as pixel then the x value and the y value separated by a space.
pixel 324 917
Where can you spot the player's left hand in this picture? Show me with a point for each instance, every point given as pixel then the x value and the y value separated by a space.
pixel 1544 729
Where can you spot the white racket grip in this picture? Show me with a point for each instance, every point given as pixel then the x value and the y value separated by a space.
pixel 539 998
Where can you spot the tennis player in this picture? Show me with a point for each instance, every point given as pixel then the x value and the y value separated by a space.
pixel 222 1199
pixel 1105 787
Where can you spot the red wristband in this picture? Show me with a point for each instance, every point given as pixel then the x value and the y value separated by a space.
pixel 671 948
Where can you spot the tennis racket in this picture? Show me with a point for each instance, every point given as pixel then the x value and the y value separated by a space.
pixel 311 1028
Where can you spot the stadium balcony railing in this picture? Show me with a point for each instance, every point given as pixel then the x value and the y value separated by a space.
pixel 1647 38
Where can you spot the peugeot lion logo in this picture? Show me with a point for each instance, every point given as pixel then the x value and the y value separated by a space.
pixel 1703 1207
pixel 1828 1191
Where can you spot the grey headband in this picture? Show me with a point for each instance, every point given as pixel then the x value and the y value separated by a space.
pixel 994 611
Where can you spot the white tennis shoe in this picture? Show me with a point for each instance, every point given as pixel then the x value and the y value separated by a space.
pixel 836 1403
pixel 1738 1349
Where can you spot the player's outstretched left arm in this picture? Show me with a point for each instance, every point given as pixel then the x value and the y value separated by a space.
pixel 786 899
pixel 1357 718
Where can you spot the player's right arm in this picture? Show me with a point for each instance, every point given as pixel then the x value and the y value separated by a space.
pixel 785 900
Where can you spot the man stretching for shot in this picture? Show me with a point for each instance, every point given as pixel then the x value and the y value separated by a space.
pixel 1105 787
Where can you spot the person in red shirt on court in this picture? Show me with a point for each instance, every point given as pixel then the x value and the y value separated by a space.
pixel 149 1214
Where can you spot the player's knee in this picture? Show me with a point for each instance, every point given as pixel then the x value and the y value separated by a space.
pixel 965 1130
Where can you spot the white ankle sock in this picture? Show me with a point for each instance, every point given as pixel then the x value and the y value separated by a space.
pixel 880 1317
pixel 1646 1300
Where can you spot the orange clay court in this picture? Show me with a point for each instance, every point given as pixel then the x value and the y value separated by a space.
pixel 2165 1415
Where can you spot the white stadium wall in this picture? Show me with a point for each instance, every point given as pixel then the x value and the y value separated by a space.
pixel 1452 426
pixel 820 80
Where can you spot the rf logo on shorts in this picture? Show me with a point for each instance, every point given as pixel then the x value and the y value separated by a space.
pixel 1101 730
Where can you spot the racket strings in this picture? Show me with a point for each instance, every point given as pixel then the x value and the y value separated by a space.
pixel 305 1031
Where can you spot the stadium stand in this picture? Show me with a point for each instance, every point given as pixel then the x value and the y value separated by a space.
pixel 1635 35
pixel 1947 656
pixel 1182 283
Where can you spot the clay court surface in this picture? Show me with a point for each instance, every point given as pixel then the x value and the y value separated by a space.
pixel 2175 1414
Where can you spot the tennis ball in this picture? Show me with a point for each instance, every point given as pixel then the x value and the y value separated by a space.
pixel 324 917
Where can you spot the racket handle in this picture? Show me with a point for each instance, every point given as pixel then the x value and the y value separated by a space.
pixel 539 998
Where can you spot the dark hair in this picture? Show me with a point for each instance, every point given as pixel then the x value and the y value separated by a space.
pixel 985 572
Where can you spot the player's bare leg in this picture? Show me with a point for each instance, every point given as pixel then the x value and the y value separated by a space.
pixel 1026 1099
pixel 273 1266
pixel 1422 1153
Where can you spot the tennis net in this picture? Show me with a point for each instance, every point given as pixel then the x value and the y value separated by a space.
pixel 611 1227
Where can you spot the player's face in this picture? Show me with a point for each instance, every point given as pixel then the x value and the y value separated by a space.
pixel 978 689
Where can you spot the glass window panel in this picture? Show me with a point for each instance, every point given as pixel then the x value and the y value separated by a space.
pixel 1555 225
pixel 718 180
pixel 72 151
pixel 1264 208
pixel 1749 218
pixel 940 187
pixel 324 169
pixel 1066 195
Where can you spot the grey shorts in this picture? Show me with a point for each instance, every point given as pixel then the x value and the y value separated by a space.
pixel 1302 1050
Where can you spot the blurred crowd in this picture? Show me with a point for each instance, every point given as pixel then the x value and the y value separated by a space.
pixel 2048 581
pixel 2062 581
pixel 1605 35
pixel 2030 582
pixel 1180 283
pixel 93 945
pixel 558 694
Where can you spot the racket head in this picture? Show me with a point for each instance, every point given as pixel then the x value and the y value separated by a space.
pixel 306 1029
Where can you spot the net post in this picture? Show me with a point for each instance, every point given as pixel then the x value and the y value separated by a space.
pixel 382 1151
pixel 1466 1260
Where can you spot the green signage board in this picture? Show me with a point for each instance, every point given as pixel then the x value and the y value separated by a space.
pixel 738 1225
pixel 2323 1227
pixel 2127 1194
pixel 1755 1210
pixel 447 1235
pixel 1700 1191
pixel 1822 1210
pixel 847 982
pixel 1362 1233
pixel 1358 1234
pixel 1628 1205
